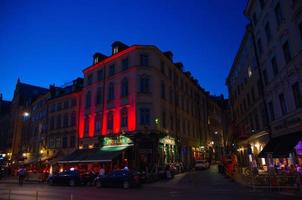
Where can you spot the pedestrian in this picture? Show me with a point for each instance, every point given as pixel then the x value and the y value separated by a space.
pixel 21 173
pixel 102 171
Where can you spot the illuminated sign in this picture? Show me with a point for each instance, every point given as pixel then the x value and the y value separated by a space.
pixel 116 140
pixel 167 140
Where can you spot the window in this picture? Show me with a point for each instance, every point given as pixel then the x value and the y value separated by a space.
pixel 65 120
pixel 52 123
pixel 124 117
pixel 73 102
pixel 59 106
pixel 86 126
pixel 300 29
pixel 253 95
pixel 64 142
pixel 162 90
pixel 111 91
pixel 144 116
pixel 265 78
pixel 268 32
pixel 283 105
pixel 124 87
pixel 88 99
pixel 144 60
pixel 115 50
pixel 98 96
pixel 144 84
pixel 164 119
pixel 260 49
pixel 73 118
pixel 125 64
pixel 97 122
pixel 262 4
pixel 170 74
pixel 255 19
pixel 297 95
pixel 171 122
pixel 170 95
pixel 110 120
pixel 66 104
pixel 72 141
pixel 58 122
pixel 274 66
pixel 162 67
pixel 89 79
pixel 278 14
pixel 111 70
pixel 100 74
pixel 286 52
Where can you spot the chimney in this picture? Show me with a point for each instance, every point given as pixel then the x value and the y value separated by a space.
pixel 98 57
pixel 179 65
pixel 169 55
pixel 118 46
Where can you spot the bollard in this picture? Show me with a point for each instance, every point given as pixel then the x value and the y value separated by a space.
pixel 71 196
pixel 9 194
pixel 37 195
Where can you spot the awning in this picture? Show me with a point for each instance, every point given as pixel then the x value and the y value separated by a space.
pixel 281 146
pixel 91 155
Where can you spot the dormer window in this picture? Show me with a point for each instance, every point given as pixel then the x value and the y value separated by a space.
pixel 96 60
pixel 115 50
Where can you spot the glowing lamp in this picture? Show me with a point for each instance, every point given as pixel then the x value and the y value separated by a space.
pixel 26 114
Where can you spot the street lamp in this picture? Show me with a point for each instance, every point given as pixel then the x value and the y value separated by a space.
pixel 26 114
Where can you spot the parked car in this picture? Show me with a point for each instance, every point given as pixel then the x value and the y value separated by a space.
pixel 118 178
pixel 201 164
pixel 68 177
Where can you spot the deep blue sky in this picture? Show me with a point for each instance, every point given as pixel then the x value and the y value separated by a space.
pixel 46 42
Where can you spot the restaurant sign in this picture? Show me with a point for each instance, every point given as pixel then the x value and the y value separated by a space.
pixel 116 140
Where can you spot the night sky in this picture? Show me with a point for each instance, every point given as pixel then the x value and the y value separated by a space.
pixel 47 42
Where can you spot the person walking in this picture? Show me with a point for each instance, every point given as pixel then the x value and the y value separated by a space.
pixel 22 174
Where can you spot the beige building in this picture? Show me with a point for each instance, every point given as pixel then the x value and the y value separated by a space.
pixel 139 90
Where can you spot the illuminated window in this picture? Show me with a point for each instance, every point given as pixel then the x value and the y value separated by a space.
pixel 110 120
pixel 115 50
pixel 111 91
pixel 144 116
pixel 124 87
pixel 96 60
pixel 124 117
pixel 250 73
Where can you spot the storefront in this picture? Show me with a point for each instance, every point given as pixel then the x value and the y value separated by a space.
pixel 167 150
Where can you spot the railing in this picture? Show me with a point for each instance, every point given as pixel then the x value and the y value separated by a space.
pixel 276 182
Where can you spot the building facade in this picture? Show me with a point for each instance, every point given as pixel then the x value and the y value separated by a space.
pixel 138 90
pixel 265 80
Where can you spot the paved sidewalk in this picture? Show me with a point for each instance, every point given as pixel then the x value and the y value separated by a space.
pixel 15 180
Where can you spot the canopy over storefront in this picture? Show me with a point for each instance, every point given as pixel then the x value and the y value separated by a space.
pixel 281 146
pixel 92 155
